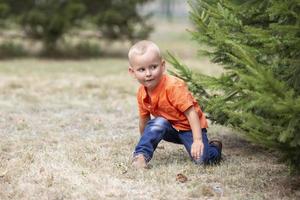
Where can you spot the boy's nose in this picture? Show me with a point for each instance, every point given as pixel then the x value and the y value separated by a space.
pixel 148 73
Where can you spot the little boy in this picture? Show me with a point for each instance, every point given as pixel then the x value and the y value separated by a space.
pixel 177 116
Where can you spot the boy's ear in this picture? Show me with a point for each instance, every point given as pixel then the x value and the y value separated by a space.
pixel 163 64
pixel 130 70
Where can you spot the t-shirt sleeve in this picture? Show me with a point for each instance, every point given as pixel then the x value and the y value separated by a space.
pixel 180 96
pixel 143 112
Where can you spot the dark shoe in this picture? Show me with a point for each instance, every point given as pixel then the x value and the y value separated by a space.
pixel 218 144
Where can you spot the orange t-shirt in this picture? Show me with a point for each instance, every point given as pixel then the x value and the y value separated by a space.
pixel 170 99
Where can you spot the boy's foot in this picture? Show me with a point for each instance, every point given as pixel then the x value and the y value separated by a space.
pixel 217 143
pixel 139 162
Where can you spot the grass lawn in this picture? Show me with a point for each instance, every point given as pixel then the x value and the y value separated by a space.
pixel 68 129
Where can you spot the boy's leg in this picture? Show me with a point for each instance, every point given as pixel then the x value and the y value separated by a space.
pixel 172 136
pixel 211 153
pixel 153 134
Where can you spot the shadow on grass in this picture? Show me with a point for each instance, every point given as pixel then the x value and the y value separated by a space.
pixel 237 148
pixel 236 145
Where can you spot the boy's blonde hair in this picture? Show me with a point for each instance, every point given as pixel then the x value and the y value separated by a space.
pixel 142 47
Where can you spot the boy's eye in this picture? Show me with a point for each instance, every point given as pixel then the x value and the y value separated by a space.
pixel 140 69
pixel 153 66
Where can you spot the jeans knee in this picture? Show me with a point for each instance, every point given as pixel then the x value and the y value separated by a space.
pixel 158 124
pixel 161 121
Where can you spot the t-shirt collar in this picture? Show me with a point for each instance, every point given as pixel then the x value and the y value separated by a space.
pixel 157 89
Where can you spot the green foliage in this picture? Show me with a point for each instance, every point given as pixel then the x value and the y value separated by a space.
pixel 50 20
pixel 4 10
pixel 119 19
pixel 258 44
pixel 47 20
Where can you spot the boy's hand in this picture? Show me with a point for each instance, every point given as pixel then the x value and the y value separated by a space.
pixel 197 149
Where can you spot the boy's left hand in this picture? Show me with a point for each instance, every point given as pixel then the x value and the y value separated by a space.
pixel 197 149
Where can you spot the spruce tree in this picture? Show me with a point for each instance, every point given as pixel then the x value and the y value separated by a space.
pixel 258 44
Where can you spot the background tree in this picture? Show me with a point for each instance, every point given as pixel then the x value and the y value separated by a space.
pixel 4 10
pixel 50 20
pixel 119 19
pixel 258 44
pixel 47 20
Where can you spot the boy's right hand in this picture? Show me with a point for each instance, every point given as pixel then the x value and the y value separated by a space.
pixel 197 149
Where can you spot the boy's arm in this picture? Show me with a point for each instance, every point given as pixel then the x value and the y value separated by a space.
pixel 197 146
pixel 142 123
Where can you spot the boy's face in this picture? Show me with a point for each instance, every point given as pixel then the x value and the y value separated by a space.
pixel 147 69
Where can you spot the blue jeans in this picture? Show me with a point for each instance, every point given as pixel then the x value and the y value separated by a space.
pixel 159 129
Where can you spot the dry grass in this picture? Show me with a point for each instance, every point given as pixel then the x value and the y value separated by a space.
pixel 68 129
